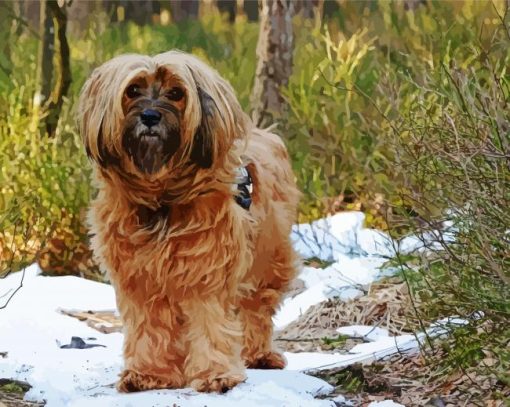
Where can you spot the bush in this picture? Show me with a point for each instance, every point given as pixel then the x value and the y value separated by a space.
pixel 413 108
pixel 45 186
pixel 337 159
pixel 450 132
pixel 340 122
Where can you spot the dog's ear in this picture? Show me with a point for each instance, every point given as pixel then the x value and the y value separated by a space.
pixel 92 111
pixel 214 116
pixel 202 151
pixel 104 158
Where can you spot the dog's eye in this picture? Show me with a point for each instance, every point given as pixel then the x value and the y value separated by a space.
pixel 175 94
pixel 133 91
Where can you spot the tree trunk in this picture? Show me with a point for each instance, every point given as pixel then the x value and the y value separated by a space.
pixel 184 10
pixel 140 12
pixel 110 7
pixel 274 51
pixel 330 7
pixel 45 54
pixel 310 9
pixel 54 65
pixel 6 19
pixel 250 8
pixel 30 12
pixel 227 6
pixel 80 13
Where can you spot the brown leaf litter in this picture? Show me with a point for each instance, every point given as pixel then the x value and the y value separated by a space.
pixel 414 381
pixel 385 305
pixel 102 321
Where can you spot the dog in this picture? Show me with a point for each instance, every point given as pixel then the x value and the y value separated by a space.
pixel 191 221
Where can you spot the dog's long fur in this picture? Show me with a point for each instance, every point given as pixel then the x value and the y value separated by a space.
pixel 197 277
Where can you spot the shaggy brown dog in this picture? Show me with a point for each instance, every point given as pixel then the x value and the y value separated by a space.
pixel 197 276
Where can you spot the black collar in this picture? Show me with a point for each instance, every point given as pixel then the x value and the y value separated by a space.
pixel 244 188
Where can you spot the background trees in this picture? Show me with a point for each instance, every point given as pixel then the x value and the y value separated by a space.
pixel 275 49
pixel 54 71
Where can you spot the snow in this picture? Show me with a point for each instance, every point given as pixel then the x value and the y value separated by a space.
pixel 357 253
pixel 365 352
pixel 381 346
pixel 32 329
pixel 385 403
pixel 368 333
pixel 358 257
pixel 344 279
pixel 342 401
pixel 342 233
pixel 261 389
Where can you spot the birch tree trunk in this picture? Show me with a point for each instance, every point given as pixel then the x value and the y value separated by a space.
pixel 61 66
pixel 54 72
pixel 45 54
pixel 274 51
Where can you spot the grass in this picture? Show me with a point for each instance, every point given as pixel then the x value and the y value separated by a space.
pixel 332 343
pixel 11 388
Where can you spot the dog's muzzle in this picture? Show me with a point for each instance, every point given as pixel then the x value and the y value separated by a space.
pixel 151 139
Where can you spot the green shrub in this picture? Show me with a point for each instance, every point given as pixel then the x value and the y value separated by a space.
pixel 334 153
pixel 45 183
pixel 340 122
pixel 413 107
pixel 450 134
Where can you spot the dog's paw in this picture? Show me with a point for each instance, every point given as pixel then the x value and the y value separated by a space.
pixel 266 360
pixel 131 381
pixel 219 385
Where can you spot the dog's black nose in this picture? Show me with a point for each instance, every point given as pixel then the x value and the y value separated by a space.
pixel 150 117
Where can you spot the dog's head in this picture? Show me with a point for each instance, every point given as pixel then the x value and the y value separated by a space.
pixel 149 115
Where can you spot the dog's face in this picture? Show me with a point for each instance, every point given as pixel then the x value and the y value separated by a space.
pixel 149 115
pixel 153 106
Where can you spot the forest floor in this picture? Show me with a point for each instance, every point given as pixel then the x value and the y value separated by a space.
pixel 343 329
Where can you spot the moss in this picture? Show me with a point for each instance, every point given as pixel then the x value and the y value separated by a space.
pixel 13 386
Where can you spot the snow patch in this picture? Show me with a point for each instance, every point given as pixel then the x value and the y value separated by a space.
pixel 368 333
pixel 33 328
pixel 357 254
pixel 385 403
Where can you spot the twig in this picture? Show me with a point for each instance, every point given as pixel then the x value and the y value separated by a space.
pixel 16 290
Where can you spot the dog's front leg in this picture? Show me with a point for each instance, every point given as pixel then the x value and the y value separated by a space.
pixel 153 350
pixel 214 344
